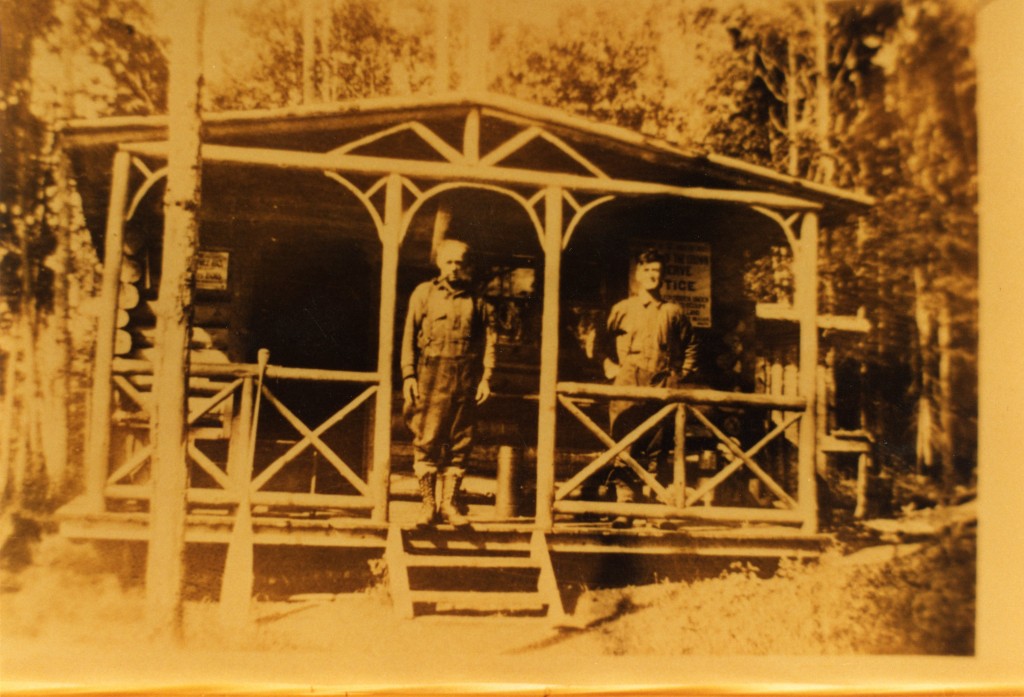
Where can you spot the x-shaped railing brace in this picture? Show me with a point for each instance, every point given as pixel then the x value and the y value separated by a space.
pixel 139 458
pixel 312 437
pixel 616 449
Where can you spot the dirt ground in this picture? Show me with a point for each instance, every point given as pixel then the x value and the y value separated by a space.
pixel 67 620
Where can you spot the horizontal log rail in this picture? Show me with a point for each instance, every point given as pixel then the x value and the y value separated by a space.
pixel 223 497
pixel 689 395
pixel 656 510
pixel 134 366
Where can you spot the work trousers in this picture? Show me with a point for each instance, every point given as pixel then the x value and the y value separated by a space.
pixel 442 418
pixel 653 449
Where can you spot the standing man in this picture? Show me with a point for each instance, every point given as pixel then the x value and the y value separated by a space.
pixel 651 344
pixel 447 362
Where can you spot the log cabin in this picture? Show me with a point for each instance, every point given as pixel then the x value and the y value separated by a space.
pixel 315 225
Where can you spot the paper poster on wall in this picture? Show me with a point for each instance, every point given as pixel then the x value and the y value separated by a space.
pixel 686 276
pixel 212 270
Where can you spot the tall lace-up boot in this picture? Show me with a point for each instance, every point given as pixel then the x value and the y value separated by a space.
pixel 428 509
pixel 450 482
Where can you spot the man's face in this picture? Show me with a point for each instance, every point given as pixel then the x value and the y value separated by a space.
pixel 451 262
pixel 648 276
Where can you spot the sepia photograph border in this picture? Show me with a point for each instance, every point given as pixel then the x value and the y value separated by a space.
pixel 996 668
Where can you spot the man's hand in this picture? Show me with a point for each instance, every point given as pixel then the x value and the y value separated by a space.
pixel 411 390
pixel 483 391
pixel 611 369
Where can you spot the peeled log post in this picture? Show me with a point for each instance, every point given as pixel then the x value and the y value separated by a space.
pixel 689 395
pixel 97 458
pixel 806 302
pixel 380 474
pixel 169 430
pixel 548 397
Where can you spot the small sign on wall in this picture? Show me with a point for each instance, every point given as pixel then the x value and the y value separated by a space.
pixel 686 278
pixel 212 270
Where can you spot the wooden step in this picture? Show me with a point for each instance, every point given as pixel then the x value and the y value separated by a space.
pixel 481 600
pixel 455 550
pixel 470 562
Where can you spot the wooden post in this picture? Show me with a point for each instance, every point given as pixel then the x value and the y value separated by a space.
pixel 380 475
pixel 506 485
pixel 97 459
pixel 471 137
pixel 548 395
pixel 679 456
pixel 806 304
pixel 822 413
pixel 168 428
pixel 239 466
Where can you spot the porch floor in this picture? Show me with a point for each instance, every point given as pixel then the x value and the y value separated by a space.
pixel 567 536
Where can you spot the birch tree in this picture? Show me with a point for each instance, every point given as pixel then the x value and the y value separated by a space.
pixel 169 431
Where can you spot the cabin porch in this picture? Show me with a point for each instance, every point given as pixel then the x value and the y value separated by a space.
pixel 316 223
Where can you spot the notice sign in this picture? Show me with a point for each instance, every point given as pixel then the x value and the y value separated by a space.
pixel 212 270
pixel 686 278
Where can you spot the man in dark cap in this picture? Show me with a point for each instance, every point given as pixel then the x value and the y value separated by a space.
pixel 649 343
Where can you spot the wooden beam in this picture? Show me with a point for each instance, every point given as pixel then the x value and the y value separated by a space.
pixel 805 301
pixel 97 461
pixel 132 366
pixel 689 395
pixel 471 137
pixel 787 313
pixel 448 171
pixel 380 474
pixel 225 497
pixel 652 510
pixel 679 456
pixel 239 469
pixel 738 165
pixel 548 392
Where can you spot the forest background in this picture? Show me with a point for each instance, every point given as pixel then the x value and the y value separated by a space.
pixel 876 96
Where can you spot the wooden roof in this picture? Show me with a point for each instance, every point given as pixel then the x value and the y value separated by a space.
pixel 424 129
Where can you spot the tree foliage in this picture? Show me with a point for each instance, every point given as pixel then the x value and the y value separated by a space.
pixel 737 77
pixel 359 53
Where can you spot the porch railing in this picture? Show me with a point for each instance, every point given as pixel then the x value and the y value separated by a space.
pixel 221 408
pixel 683 496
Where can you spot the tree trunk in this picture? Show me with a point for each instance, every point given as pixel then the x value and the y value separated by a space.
pixel 925 456
pixel 165 563
pixel 791 110
pixel 826 172
pixel 945 398
pixel 308 50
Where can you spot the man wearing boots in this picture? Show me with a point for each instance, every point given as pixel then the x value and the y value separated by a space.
pixel 649 343
pixel 447 360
